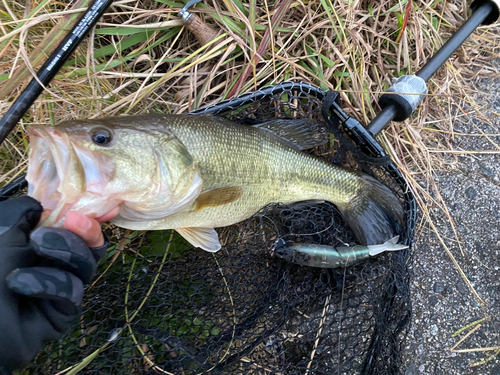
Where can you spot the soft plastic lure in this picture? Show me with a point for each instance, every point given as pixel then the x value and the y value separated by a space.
pixel 322 256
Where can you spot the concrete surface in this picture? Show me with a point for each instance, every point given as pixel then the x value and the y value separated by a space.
pixel 442 303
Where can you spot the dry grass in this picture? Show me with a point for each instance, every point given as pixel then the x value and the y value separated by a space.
pixel 141 59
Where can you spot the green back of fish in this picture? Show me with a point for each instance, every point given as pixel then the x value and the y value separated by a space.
pixel 260 167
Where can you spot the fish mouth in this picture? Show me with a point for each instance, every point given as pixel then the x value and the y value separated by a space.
pixel 55 175
pixel 43 174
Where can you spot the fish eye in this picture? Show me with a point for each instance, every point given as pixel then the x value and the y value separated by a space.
pixel 101 136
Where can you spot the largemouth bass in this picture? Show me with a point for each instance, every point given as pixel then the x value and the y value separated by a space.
pixel 196 173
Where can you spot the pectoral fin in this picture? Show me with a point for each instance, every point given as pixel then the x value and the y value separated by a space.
pixel 206 238
pixel 217 197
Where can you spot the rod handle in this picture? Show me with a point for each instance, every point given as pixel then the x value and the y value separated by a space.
pixel 200 29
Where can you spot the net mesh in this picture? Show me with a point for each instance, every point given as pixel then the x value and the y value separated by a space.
pixel 160 306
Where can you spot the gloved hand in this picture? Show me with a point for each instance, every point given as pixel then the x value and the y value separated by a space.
pixel 42 278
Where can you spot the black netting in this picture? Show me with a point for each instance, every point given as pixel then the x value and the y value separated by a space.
pixel 161 306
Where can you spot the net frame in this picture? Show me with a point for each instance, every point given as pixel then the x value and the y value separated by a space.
pixel 160 306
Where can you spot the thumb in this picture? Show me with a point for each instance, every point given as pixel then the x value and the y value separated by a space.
pixel 86 228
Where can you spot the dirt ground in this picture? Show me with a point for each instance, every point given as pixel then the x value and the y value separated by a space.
pixel 442 303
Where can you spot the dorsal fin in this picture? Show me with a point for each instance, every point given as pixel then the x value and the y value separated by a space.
pixel 302 133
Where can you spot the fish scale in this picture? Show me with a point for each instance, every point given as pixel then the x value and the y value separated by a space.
pixel 196 173
pixel 268 171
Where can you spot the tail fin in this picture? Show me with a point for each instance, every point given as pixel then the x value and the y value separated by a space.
pixel 375 214
pixel 391 245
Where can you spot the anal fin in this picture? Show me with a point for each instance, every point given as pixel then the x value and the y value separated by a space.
pixel 205 238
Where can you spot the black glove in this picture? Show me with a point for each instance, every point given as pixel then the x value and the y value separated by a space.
pixel 42 277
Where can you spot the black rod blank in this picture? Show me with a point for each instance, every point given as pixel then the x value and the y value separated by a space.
pixel 50 68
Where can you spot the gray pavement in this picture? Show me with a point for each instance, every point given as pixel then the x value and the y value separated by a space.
pixel 442 303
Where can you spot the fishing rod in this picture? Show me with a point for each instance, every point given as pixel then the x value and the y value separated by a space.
pixel 50 68
pixel 56 60
pixel 204 33
pixel 395 105
pixel 45 74
pixel 65 48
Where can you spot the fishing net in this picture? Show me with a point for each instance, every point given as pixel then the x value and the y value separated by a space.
pixel 160 306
